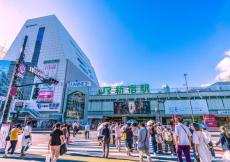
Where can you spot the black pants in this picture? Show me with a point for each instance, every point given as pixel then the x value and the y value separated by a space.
pixel 12 147
pixel 86 134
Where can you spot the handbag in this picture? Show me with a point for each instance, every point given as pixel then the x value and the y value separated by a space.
pixel 63 149
pixel 143 146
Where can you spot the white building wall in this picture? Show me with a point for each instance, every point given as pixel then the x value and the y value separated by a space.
pixel 57 44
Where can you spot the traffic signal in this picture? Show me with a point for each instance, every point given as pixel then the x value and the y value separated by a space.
pixel 36 93
pixel 51 81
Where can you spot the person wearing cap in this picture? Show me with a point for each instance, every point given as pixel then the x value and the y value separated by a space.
pixel 208 140
pixel 55 141
pixel 200 143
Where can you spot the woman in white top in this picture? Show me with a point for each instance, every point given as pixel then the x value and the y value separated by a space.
pixel 118 136
pixel 200 143
pixel 26 138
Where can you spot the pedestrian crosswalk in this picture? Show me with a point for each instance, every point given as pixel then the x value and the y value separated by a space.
pixel 91 148
pixel 82 147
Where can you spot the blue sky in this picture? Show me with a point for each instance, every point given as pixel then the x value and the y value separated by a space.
pixel 138 41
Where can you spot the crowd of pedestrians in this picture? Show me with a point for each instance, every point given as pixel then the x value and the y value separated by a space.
pixel 178 140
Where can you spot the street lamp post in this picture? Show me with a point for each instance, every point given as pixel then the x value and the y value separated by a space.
pixel 190 102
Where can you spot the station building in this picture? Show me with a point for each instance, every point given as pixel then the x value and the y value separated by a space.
pixel 141 103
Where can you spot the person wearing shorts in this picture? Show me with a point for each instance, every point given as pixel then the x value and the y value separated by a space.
pixel 56 139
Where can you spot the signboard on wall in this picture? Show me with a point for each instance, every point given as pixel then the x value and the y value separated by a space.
pixel 210 120
pixel 131 89
pixel 132 107
pixel 182 107
pixel 46 93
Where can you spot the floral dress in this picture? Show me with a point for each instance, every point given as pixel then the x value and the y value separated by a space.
pixel 204 153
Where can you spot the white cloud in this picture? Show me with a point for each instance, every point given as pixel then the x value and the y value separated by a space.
pixel 206 84
pixel 104 84
pixel 223 68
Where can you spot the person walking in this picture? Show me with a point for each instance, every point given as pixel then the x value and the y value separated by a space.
pixel 26 138
pixel 159 138
pixel 183 140
pixel 87 129
pixel 135 135
pixel 112 128
pixel 168 139
pixel 201 145
pixel 55 141
pixel 152 132
pixel 129 139
pixel 207 137
pixel 64 129
pixel 118 136
pixel 106 133
pixel 14 138
pixel 143 142
pixel 224 139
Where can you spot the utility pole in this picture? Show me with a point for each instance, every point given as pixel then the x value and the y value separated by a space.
pixel 190 102
pixel 9 98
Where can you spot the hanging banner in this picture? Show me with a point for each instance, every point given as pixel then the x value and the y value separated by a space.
pixel 46 93
pixel 5 128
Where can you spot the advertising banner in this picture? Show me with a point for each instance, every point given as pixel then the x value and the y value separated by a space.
pixel 210 120
pixel 132 107
pixel 182 107
pixel 5 128
pixel 46 93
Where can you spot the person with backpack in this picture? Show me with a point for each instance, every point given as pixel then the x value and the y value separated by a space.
pixel 143 142
pixel 106 133
pixel 224 139
pixel 55 141
pixel 182 140
pixel 26 138
pixel 129 139
pixel 159 138
pixel 14 138
pixel 168 140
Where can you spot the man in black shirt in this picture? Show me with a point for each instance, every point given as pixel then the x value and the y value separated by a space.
pixel 56 139
pixel 106 140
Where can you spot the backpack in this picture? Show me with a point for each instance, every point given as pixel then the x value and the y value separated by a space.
pixel 168 136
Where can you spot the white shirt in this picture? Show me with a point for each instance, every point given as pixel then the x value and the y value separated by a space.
pixel 27 130
pixel 87 127
pixel 118 131
pixel 182 134
pixel 207 136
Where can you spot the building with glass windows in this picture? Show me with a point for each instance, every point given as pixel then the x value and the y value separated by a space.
pixel 52 50
pixel 140 103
